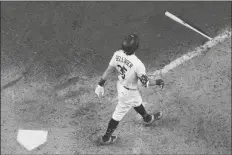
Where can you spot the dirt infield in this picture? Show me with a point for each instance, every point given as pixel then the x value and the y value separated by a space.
pixel 196 102
pixel 52 54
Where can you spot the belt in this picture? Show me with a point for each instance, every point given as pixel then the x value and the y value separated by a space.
pixel 129 88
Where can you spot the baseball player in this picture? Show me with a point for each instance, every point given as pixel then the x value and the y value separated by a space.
pixel 131 70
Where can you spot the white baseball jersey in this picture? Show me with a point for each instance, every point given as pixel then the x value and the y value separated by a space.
pixel 129 67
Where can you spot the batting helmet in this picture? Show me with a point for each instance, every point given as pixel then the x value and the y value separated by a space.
pixel 130 44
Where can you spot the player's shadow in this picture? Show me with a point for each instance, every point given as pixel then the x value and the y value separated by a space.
pixel 167 122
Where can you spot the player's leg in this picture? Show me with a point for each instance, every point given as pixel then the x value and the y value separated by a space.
pixel 108 137
pixel 120 111
pixel 139 108
pixel 148 118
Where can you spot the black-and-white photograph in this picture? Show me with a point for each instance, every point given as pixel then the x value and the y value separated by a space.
pixel 116 77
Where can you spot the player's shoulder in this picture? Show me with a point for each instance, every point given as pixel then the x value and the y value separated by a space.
pixel 119 52
pixel 138 61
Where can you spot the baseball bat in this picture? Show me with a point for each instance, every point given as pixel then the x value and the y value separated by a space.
pixel 178 20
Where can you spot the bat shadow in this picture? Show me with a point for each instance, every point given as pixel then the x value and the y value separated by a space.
pixel 10 84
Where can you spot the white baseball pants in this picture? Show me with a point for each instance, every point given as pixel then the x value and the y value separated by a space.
pixel 126 100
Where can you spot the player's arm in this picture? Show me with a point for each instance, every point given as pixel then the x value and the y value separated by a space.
pixel 158 82
pixel 146 82
pixel 141 73
pixel 110 69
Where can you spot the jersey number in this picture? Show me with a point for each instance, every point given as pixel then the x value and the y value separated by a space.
pixel 122 71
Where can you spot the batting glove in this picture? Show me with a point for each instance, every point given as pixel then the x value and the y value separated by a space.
pixel 160 82
pixel 99 90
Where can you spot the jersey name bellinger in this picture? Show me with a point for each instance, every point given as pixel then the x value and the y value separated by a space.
pixel 124 60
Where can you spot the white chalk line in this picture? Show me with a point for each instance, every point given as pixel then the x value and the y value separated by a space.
pixel 218 39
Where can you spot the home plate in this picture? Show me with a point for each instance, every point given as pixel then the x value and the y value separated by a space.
pixel 31 139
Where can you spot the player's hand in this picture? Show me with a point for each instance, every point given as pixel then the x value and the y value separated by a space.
pixel 147 85
pixel 99 90
pixel 160 83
